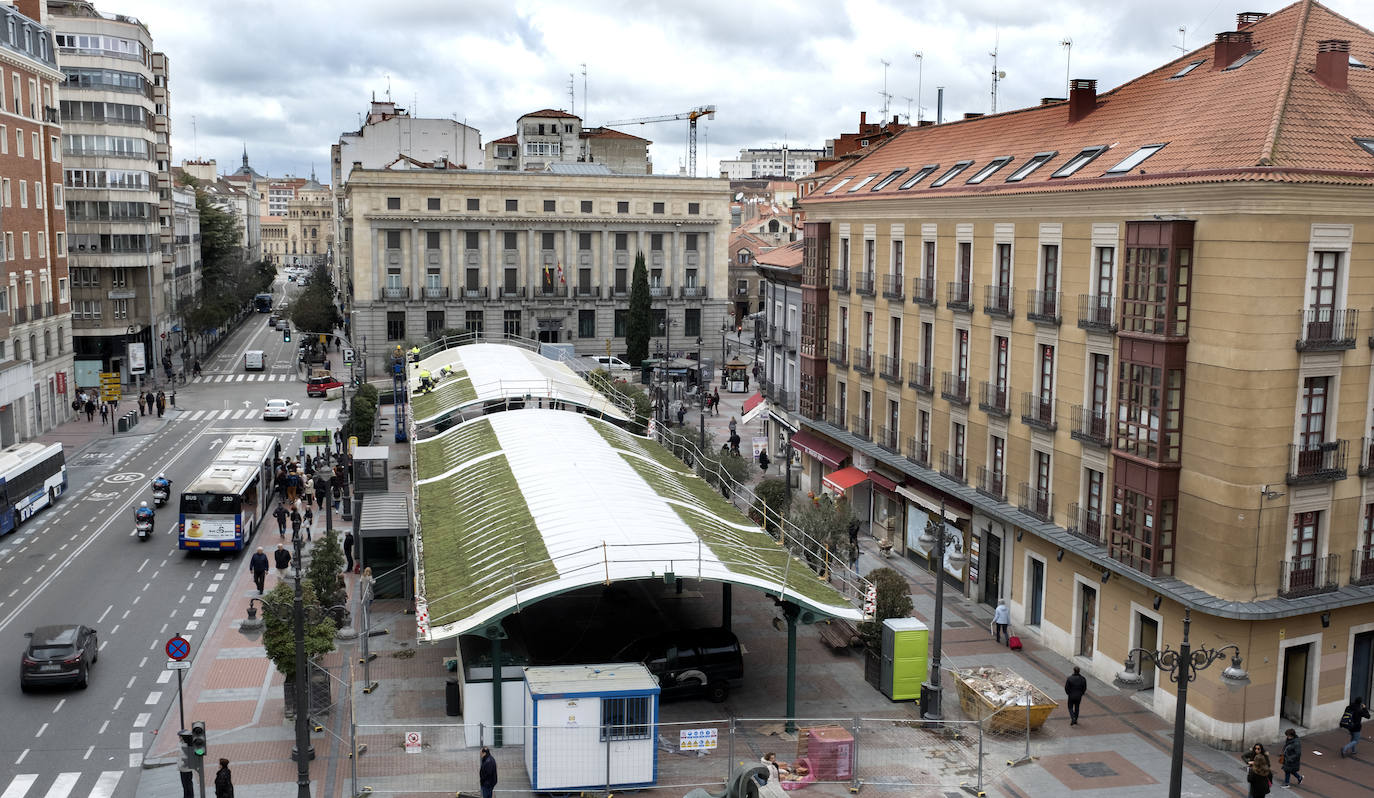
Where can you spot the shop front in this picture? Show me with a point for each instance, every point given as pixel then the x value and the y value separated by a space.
pixel 923 507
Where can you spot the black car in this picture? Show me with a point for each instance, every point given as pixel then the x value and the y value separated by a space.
pixel 691 662
pixel 57 655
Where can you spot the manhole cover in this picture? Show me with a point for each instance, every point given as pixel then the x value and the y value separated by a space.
pixel 1218 777
pixel 1093 770
pixel 957 624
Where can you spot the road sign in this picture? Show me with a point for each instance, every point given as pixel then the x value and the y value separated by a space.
pixel 412 742
pixel 110 386
pixel 348 356
pixel 315 437
pixel 178 665
pixel 178 648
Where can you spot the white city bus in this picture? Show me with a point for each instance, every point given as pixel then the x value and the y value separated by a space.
pixel 32 476
pixel 223 507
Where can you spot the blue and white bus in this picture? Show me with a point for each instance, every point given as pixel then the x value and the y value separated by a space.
pixel 223 507
pixel 32 476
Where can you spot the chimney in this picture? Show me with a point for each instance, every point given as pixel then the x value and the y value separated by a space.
pixel 925 123
pixel 1051 100
pixel 863 119
pixel 33 9
pixel 1082 98
pixel 1247 18
pixel 972 114
pixel 1333 63
pixel 1229 46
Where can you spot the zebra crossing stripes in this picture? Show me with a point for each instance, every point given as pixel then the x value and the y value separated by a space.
pixel 63 784
pixel 320 413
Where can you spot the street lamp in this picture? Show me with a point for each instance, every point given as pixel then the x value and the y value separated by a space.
pixel 1182 666
pixel 701 401
pixel 939 535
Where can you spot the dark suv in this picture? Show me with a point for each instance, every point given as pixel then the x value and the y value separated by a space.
pixel 691 662
pixel 58 654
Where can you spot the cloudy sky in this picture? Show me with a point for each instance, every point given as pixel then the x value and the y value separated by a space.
pixel 287 78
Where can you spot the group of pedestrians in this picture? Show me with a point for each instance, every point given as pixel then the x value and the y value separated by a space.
pixel 149 402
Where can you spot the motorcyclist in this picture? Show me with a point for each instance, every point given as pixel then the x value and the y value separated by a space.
pixel 162 482
pixel 144 513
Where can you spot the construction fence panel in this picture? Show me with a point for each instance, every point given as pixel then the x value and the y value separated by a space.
pixel 418 759
pixel 898 755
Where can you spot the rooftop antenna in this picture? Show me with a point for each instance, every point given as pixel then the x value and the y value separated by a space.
pixel 886 96
pixel 388 88
pixel 572 95
pixel 1182 45
pixel 997 75
pixel 195 140
pixel 920 75
pixel 585 106
pixel 1067 44
pixel 908 108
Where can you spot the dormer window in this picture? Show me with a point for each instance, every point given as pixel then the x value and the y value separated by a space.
pixel 838 185
pixel 1037 160
pixel 893 175
pixel 863 182
pixel 952 173
pixel 1082 159
pixel 1135 159
pixel 1367 144
pixel 921 174
pixel 1243 60
pixel 986 171
pixel 1187 69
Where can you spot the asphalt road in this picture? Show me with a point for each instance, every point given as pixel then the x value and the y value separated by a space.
pixel 80 562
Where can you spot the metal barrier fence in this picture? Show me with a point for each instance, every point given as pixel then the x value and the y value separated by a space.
pixel 895 755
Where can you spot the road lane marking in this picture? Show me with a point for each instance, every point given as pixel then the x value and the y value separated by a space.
pixel 103 727
pixel 164 677
pixel 143 662
pixel 136 740
pixel 89 751
pixel 59 706
pixel 130 685
pixel 21 783
pixel 101 619
pixel 143 718
pixel 41 729
pixel 153 697
pixel 62 785
pixel 105 785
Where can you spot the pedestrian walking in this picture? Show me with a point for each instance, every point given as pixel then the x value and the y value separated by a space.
pixel 715 401
pixel 763 461
pixel 280 515
pixel 161 403
pixel 486 772
pixel 258 565
pixel 1290 758
pixel 1258 778
pixel 734 442
pixel 338 494
pixel 348 550
pixel 1352 720
pixel 309 516
pixel 90 411
pixel 681 412
pixel 296 520
pixel 283 558
pixel 293 483
pixel 104 412
pixel 224 780
pixel 1074 687
pixel 1001 621
pixel 732 425
pixel 140 404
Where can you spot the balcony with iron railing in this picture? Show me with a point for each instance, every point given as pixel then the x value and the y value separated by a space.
pixel 1044 307
pixel 890 368
pixel 834 415
pixel 992 484
pixel 920 377
pixel 1322 462
pixel 993 399
pixel 859 426
pixel 1327 329
pixel 1038 412
pixel 512 292
pixel 1308 576
pixel 789 340
pixel 770 334
pixel 1362 566
pixel 694 292
pixel 888 438
pixel 893 284
pixel 959 296
pixel 19 314
pixel 1090 426
pixel 1085 523
pixel 923 292
pixel 659 291
pixel 861 360
pixel 864 283
pixel 1036 502
pixel 954 388
pixel 551 291
pixel 951 466
pixel 839 353
pixel 394 293
pixel 1096 313
pixel 1366 456
pixel 918 452
pixel 479 292
pixel 997 301
pixel 839 279
pixel 587 292
pixel 620 291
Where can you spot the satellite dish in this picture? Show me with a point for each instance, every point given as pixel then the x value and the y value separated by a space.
pixel 739 196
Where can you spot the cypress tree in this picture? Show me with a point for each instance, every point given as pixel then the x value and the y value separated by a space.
pixel 638 321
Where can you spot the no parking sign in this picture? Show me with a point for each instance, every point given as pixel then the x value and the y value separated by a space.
pixel 412 742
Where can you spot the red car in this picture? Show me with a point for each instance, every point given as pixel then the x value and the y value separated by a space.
pixel 318 386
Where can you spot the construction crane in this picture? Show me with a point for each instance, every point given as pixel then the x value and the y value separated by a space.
pixel 708 111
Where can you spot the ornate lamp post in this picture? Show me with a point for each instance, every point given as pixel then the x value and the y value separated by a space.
pixel 1182 666
pixel 939 535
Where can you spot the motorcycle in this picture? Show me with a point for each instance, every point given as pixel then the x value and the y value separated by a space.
pixel 144 528
pixel 159 496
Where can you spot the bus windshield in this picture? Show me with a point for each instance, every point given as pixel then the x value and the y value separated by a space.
pixel 209 504
pixel 263 302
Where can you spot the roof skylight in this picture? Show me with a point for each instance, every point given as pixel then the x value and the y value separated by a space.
pixel 920 175
pixel 986 171
pixel 1366 143
pixel 1037 160
pixel 1357 63
pixel 838 185
pixel 896 173
pixel 863 182
pixel 1080 160
pixel 1243 60
pixel 951 173
pixel 1135 159
pixel 1187 69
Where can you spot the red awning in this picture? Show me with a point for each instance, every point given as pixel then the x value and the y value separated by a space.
pixel 827 453
pixel 752 402
pixel 844 479
pixel 882 482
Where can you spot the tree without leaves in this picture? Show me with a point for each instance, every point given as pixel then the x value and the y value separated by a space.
pixel 638 320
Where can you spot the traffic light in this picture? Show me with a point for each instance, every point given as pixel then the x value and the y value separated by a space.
pixel 286 335
pixel 198 738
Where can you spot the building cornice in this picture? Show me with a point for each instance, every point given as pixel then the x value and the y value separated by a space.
pixel 13 59
pixel 548 222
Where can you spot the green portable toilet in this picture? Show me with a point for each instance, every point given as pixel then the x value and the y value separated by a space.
pixel 906 648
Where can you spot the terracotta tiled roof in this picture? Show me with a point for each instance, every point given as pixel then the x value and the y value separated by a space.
pixel 1269 119
pixel 550 112
pixel 608 133
pixel 511 139
pixel 785 257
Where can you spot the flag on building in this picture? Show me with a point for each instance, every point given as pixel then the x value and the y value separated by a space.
pixel 561 279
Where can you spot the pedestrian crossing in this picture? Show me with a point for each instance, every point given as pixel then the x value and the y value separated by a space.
pixel 320 413
pixel 63 785
pixel 245 378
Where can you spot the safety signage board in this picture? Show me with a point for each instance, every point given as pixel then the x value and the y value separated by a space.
pixel 696 739
pixel 178 665
pixel 315 437
pixel 412 742
pixel 178 648
pixel 348 356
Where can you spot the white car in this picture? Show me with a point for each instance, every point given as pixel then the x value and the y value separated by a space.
pixel 611 363
pixel 279 409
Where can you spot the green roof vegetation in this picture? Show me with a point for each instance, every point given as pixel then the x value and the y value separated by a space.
pixel 456 445
pixel 451 394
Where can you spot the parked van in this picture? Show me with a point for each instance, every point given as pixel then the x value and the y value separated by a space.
pixel 691 662
pixel 253 360
pixel 611 363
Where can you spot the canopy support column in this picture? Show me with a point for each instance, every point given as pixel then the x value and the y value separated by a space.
pixel 790 612
pixel 494 634
pixel 726 609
